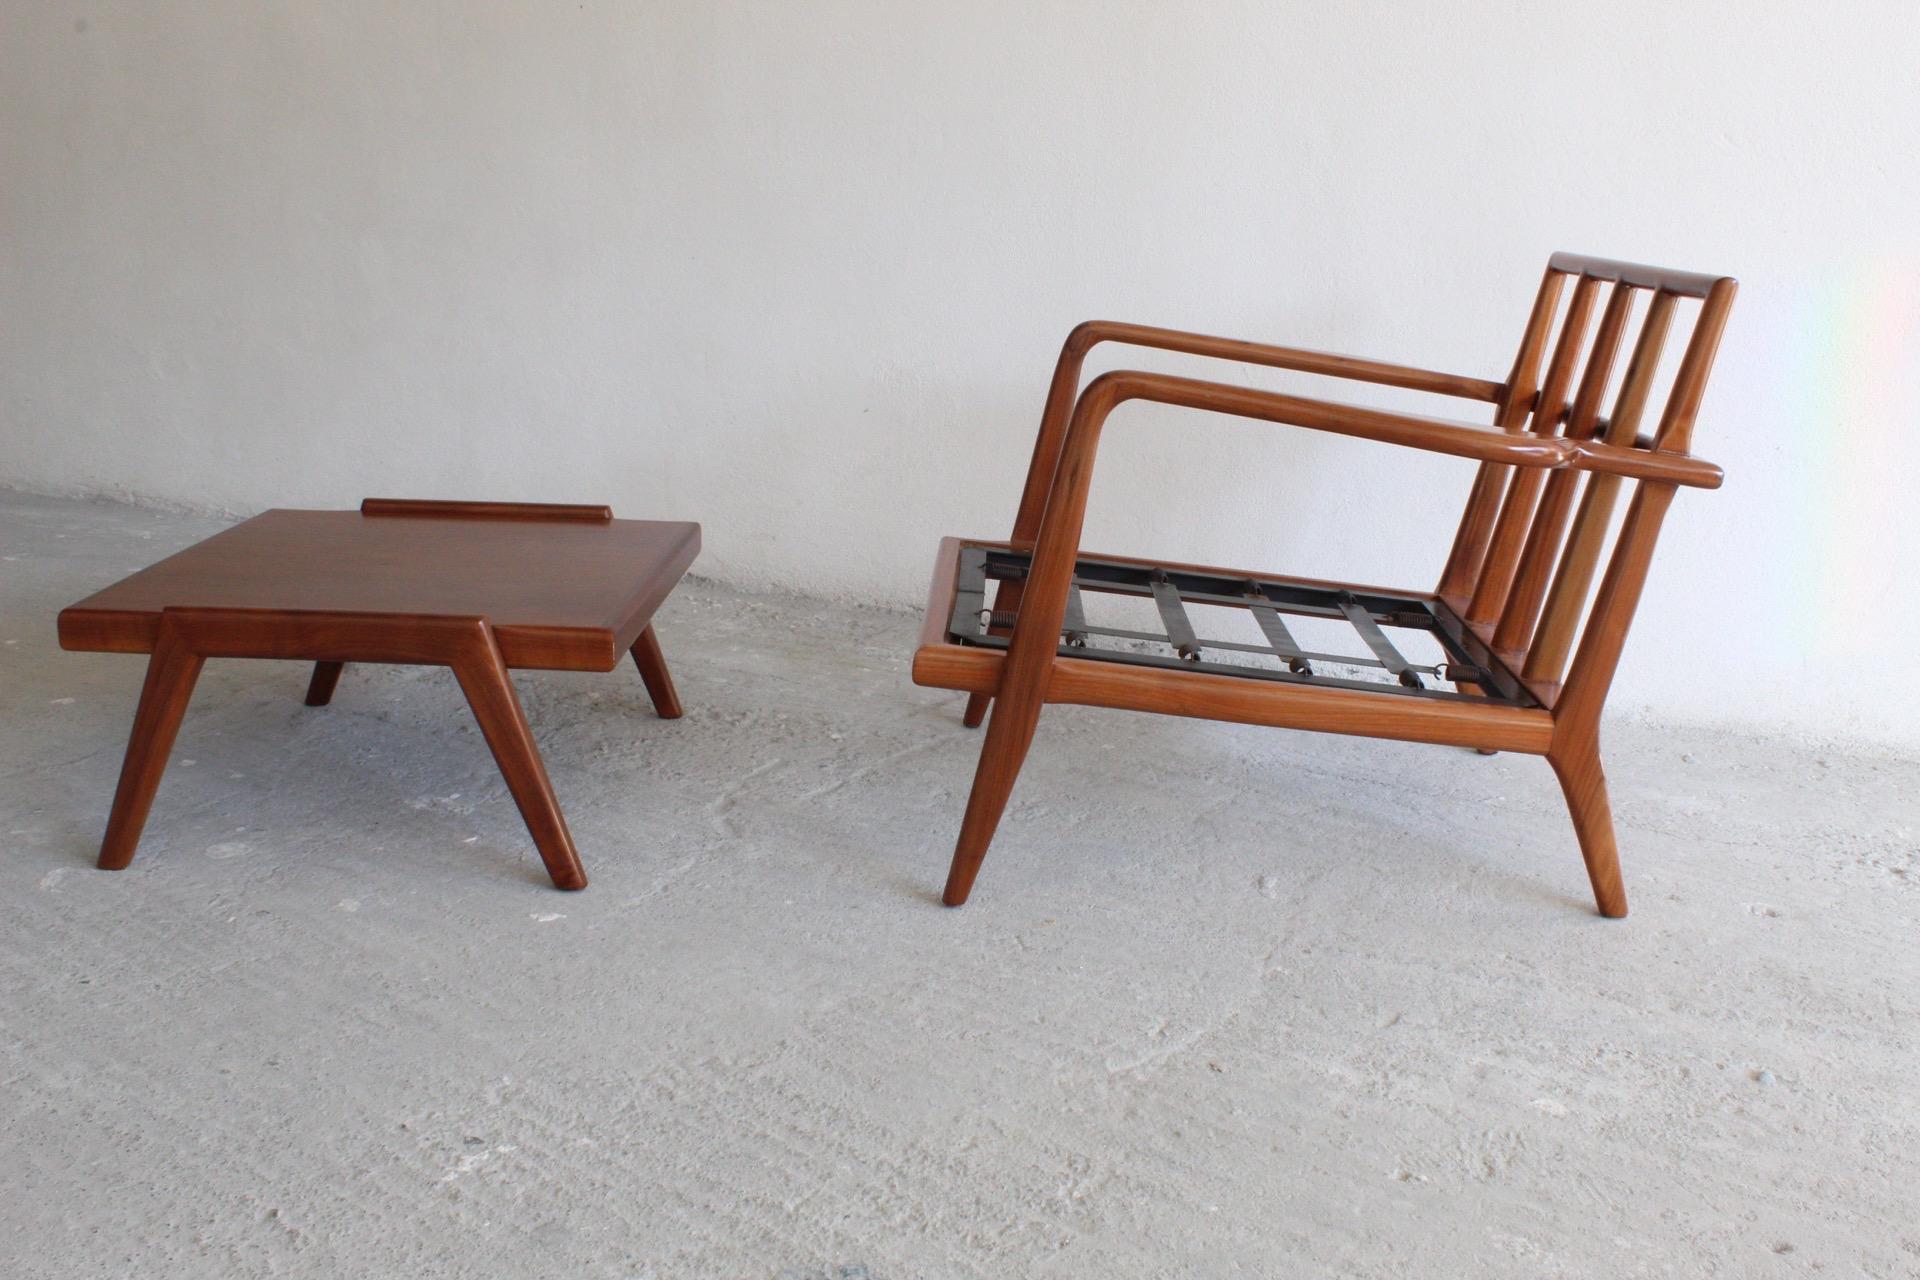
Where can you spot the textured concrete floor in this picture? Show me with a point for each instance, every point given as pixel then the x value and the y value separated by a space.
pixel 1228 1002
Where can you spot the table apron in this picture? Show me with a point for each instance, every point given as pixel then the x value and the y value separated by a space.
pixel 401 639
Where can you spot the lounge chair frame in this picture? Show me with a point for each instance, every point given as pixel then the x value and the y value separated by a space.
pixel 1530 646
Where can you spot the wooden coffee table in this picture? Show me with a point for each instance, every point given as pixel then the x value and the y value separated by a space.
pixel 476 586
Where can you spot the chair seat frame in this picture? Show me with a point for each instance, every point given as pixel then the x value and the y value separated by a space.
pixel 1511 611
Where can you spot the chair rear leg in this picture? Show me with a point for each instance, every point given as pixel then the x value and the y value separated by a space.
pixel 1009 734
pixel 976 709
pixel 1585 787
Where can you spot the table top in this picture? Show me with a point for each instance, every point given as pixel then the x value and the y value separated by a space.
pixel 568 589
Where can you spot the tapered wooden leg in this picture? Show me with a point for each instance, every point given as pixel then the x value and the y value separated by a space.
pixel 163 702
pixel 1009 734
pixel 653 670
pixel 489 689
pixel 1585 787
pixel 325 676
pixel 977 704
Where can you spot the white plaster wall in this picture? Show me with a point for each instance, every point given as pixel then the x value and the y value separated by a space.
pixel 799 270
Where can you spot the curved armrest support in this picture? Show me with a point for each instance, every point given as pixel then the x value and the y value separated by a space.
pixel 1065 388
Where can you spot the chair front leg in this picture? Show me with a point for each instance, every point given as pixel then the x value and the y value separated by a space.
pixel 1036 640
pixel 1008 736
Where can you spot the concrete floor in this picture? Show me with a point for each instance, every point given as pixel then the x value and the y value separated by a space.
pixel 1227 1001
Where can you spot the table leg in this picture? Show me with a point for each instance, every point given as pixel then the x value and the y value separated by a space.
pixel 489 689
pixel 653 670
pixel 325 676
pixel 171 673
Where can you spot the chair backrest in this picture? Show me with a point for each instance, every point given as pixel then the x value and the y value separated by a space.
pixel 1517 571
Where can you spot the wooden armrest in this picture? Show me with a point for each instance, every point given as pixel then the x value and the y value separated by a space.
pixel 1436 435
pixel 1092 332
pixel 568 513
pixel 1642 463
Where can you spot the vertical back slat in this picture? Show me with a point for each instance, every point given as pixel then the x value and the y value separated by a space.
pixel 1483 503
pixel 1550 520
pixel 1606 632
pixel 1690 383
pixel 1523 490
pixel 1554 638
pixel 1599 653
